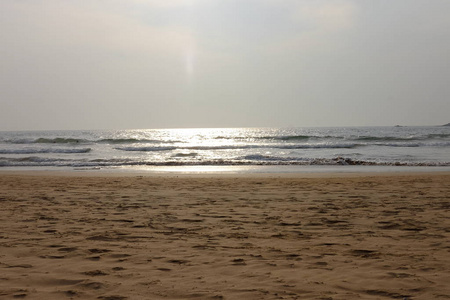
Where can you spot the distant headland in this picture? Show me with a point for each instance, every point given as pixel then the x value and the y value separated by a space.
pixel 448 124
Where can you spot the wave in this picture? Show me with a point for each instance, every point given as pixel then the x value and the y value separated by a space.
pixel 400 139
pixel 135 141
pixel 287 137
pixel 321 146
pixel 58 141
pixel 44 141
pixel 324 145
pixel 270 158
pixel 418 144
pixel 181 155
pixel 146 149
pixel 384 138
pixel 438 136
pixel 295 138
pixel 351 138
pixel 122 141
pixel 62 140
pixel 276 137
pixel 170 148
pixel 307 161
pixel 250 160
pixel 49 150
pixel 36 161
pixel 30 161
pixel 243 146
pixel 328 146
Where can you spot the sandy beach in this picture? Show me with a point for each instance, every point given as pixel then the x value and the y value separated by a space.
pixel 113 236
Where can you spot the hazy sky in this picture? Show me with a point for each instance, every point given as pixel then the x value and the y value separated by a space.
pixel 71 64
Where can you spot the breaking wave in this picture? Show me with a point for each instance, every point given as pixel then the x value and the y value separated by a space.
pixel 58 141
pixel 249 160
pixel 135 141
pixel 421 146
pixel 145 149
pixel 49 150
pixel 238 147
pixel 181 155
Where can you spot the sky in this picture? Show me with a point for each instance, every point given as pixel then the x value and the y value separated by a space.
pixel 124 64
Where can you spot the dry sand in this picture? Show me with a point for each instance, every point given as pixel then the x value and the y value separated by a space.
pixel 110 237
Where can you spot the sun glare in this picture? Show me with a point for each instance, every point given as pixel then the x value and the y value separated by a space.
pixel 207 136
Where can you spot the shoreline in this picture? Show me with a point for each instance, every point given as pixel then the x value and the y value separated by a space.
pixel 88 235
pixel 246 171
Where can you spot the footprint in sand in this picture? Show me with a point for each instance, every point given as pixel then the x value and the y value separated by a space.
pixel 95 273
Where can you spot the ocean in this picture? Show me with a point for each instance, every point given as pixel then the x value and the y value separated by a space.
pixel 147 148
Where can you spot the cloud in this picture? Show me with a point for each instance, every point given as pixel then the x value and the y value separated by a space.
pixel 156 58
pixel 72 39
pixel 81 58
pixel 162 3
pixel 327 16
pixel 324 14
pixel 69 24
pixel 271 26
pixel 318 22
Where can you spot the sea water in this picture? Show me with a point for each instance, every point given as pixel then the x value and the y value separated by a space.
pixel 345 146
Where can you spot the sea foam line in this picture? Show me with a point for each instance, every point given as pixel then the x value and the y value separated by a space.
pixel 250 160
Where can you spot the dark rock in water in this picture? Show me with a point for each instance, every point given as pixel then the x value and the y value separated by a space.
pixel 448 124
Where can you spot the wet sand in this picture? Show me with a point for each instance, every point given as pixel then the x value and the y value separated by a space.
pixel 359 236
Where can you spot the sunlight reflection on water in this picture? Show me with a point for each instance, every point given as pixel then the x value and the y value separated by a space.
pixel 201 169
